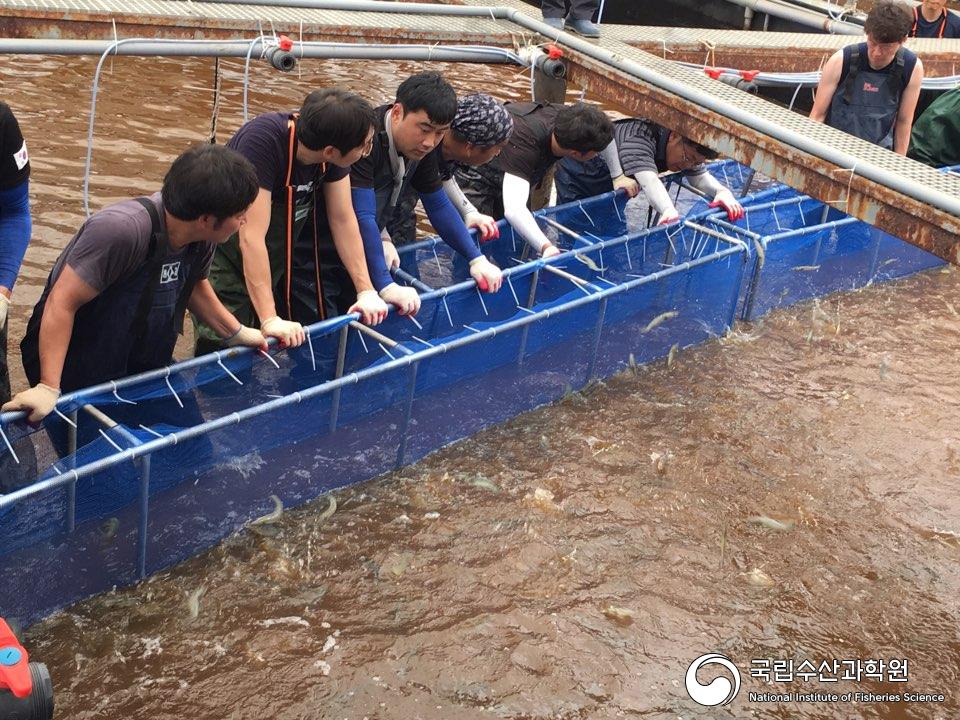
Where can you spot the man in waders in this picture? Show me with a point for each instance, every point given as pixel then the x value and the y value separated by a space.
pixel 871 90
pixel 932 19
pixel 286 266
pixel 477 135
pixel 935 140
pixel 643 150
pixel 542 134
pixel 115 299
pixel 405 152
pixel 15 223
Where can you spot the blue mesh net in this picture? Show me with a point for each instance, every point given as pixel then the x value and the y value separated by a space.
pixel 164 465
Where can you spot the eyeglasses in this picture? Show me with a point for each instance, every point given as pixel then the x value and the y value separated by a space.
pixel 689 162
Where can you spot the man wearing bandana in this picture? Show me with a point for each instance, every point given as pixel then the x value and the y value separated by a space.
pixel 406 152
pixel 478 133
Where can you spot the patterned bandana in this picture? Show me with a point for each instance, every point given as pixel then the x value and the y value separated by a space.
pixel 482 120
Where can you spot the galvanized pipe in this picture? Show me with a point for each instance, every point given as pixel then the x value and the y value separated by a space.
pixel 809 18
pixel 240 48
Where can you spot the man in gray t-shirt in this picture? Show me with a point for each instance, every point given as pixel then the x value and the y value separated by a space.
pixel 115 299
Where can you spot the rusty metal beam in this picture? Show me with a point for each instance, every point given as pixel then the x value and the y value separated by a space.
pixel 77 25
pixel 779 58
pixel 935 231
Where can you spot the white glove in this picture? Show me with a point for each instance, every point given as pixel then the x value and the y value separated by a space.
pixel 405 299
pixel 372 309
pixel 485 224
pixel 4 309
pixel 669 217
pixel 549 250
pixel 623 182
pixel 725 199
pixel 38 400
pixel 488 276
pixel 290 334
pixel 391 255
pixel 248 337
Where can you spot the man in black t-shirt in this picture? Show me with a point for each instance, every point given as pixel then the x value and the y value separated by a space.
pixel 300 247
pixel 932 19
pixel 406 152
pixel 15 223
pixel 543 133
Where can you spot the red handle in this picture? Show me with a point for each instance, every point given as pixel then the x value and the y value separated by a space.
pixel 14 664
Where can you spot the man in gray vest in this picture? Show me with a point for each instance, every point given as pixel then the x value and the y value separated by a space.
pixel 871 90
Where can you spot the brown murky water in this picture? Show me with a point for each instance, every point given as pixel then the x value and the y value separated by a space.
pixel 572 563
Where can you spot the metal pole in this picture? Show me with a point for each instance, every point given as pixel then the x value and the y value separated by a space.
pixel 809 18
pixel 376 335
pixel 412 281
pixel 565 230
pixel 239 48
pixel 72 487
pixel 144 515
pixel 597 333
pixel 341 360
pixel 531 299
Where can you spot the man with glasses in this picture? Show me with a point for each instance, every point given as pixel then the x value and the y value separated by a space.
pixel 642 150
pixel 300 251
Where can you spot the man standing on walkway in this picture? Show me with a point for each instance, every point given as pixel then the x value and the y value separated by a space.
pixel 871 89
pixel 578 14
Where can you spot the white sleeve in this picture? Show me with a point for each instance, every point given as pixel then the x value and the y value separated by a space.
pixel 459 200
pixel 655 192
pixel 516 192
pixel 705 183
pixel 611 156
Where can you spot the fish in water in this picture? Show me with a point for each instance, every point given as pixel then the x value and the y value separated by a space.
pixel 659 320
pixel 270 517
pixel 108 529
pixel 772 524
pixel 758 578
pixel 193 602
pixel 586 260
pixel 331 509
pixel 672 354
pixel 806 268
pixel 621 616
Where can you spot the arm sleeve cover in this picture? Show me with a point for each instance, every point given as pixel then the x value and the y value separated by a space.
pixel 459 200
pixel 705 183
pixel 516 191
pixel 448 223
pixel 15 229
pixel 365 206
pixel 655 192
pixel 611 157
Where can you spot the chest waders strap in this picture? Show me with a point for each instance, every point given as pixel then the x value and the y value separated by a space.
pixel 154 263
pixel 292 126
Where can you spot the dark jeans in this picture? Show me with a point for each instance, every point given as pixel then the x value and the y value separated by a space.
pixel 578 9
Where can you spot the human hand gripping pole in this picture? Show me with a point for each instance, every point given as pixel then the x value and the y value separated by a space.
pixel 627 184
pixel 390 255
pixel 290 334
pixel 725 199
pixel 405 299
pixel 371 308
pixel 488 276
pixel 39 401
pixel 486 226
pixel 247 337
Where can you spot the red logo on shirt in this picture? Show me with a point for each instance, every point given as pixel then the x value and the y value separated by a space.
pixel 870 87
